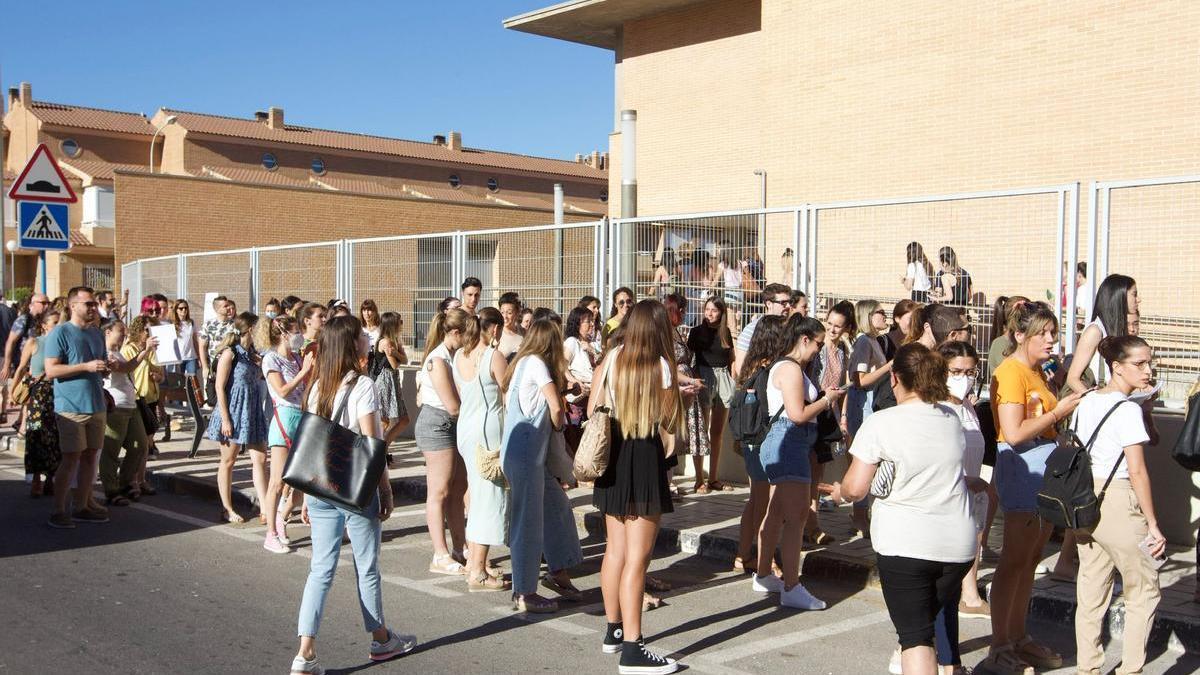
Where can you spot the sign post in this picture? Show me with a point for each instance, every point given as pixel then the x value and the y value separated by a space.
pixel 42 194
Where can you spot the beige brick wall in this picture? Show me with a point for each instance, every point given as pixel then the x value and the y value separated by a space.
pixel 895 98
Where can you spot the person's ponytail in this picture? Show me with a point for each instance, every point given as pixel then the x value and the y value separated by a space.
pixel 437 333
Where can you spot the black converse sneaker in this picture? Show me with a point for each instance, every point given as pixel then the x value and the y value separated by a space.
pixel 613 637
pixel 637 660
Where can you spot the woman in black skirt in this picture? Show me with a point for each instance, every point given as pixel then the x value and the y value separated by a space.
pixel 637 383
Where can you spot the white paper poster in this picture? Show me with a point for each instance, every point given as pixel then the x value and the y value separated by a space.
pixel 168 351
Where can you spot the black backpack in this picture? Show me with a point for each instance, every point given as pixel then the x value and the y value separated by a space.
pixel 1068 496
pixel 749 419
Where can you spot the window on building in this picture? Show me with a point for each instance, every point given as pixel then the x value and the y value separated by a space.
pixel 318 166
pixel 99 277
pixel 455 181
pixel 70 148
pixel 493 185
pixel 604 194
pixel 269 161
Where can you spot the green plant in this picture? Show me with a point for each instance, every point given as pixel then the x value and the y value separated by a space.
pixel 16 295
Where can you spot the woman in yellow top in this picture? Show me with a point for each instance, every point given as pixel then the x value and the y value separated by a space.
pixel 1026 414
pixel 146 377
pixel 623 299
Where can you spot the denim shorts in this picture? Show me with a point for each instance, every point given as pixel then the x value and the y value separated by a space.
pixel 435 430
pixel 1019 472
pixel 753 464
pixel 784 452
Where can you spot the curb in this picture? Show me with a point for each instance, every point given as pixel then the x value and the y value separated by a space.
pixel 1169 632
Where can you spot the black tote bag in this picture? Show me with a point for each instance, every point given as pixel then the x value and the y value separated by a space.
pixel 1187 448
pixel 333 463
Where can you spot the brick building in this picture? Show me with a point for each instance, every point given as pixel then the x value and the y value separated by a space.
pixel 225 182
pixel 897 98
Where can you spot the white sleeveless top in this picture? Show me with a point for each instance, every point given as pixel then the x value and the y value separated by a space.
pixel 775 395
pixel 1099 370
pixel 426 393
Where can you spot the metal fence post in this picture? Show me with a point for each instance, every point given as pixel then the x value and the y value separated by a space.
pixel 254 280
pixel 181 276
pixel 1072 196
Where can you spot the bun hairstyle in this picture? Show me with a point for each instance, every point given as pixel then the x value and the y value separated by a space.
pixel 1030 318
pixel 1118 347
pixel 922 371
pixel 845 309
pixel 767 341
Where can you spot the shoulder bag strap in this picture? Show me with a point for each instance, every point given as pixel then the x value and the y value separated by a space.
pixel 1120 458
pixel 483 390
pixel 609 362
pixel 341 409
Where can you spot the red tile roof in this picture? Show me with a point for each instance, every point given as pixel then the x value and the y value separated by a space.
pixel 242 174
pixel 78 239
pixel 95 169
pixel 341 140
pixel 62 114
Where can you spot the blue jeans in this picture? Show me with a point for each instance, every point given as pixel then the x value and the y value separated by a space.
pixel 328 523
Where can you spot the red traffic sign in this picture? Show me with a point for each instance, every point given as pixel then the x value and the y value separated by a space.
pixel 42 180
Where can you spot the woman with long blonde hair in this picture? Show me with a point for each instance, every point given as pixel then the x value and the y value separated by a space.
pixel 435 433
pixel 637 382
pixel 540 519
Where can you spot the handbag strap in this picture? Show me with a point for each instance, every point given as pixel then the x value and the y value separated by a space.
pixel 604 373
pixel 341 409
pixel 287 440
pixel 483 390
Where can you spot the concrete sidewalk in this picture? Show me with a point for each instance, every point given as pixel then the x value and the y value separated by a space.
pixel 707 525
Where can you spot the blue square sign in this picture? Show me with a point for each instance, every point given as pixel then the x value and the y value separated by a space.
pixel 43 226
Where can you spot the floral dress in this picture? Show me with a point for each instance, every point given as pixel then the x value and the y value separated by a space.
pixel 245 404
pixel 42 453
pixel 697 425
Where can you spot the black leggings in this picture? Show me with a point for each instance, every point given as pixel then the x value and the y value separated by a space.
pixel 915 590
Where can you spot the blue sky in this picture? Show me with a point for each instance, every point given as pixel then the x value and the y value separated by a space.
pixel 404 68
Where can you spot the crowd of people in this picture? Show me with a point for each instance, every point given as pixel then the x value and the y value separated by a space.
pixel 505 394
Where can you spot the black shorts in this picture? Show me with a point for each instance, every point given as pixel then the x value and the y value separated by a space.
pixel 915 590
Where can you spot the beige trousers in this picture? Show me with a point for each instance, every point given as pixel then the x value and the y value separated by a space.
pixel 1114 546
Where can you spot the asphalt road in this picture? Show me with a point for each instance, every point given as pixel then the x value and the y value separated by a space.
pixel 164 589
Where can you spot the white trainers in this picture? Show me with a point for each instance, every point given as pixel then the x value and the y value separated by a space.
pixel 396 645
pixel 302 666
pixel 799 597
pixel 767 584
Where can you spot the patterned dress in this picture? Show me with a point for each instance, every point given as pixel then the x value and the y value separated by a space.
pixel 42 453
pixel 697 426
pixel 245 404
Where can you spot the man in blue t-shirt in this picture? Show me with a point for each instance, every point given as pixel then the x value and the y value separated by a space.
pixel 77 361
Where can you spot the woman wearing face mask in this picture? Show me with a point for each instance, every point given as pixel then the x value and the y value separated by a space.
pixel 1127 516
pixel 271 309
pixel 286 372
pixel 1027 414
pixel 793 405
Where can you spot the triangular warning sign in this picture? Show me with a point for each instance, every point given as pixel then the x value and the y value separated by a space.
pixel 44 227
pixel 41 180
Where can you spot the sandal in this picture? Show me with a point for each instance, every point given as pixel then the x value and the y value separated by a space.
pixel 446 564
pixel 487 582
pixel 534 604
pixel 742 567
pixel 657 585
pixel 700 488
pixel 117 500
pixel 132 494
pixel 231 517
pixel 650 602
pixel 488 568
pixel 819 538
pixel 718 486
pixel 567 590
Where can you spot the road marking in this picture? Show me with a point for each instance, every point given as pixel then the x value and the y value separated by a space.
pixel 560 624
pixel 403 582
pixel 778 642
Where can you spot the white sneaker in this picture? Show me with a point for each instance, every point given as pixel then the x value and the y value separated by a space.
pixel 799 598
pixel 767 584
pixel 300 666
pixel 396 645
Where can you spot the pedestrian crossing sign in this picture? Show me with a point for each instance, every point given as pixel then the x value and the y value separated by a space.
pixel 44 226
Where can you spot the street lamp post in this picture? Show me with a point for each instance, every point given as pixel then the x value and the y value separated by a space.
pixel 170 120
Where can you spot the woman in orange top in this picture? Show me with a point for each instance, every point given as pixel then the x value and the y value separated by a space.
pixel 1026 414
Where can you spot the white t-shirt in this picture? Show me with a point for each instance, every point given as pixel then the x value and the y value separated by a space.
pixel 185 345
pixel 120 385
pixel 866 355
pixel 920 280
pixel 928 514
pixel 426 393
pixel 372 335
pixel 972 435
pixel 775 394
pixel 1124 427
pixel 533 376
pixel 288 369
pixel 578 362
pixel 363 401
pixel 1083 302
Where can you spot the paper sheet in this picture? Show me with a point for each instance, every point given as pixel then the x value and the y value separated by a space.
pixel 168 351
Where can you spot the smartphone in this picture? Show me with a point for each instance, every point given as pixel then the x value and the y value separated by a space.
pixel 1145 545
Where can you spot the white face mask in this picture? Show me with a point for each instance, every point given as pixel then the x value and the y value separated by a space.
pixel 960 385
pixel 296 341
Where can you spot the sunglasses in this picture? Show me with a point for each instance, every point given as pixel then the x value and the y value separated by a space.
pixel 623 303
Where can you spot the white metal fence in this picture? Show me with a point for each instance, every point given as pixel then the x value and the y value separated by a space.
pixel 1023 241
